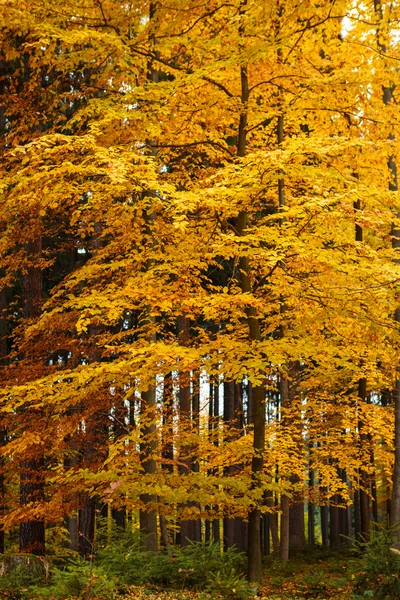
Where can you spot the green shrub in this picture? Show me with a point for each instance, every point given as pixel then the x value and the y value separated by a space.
pixel 15 584
pixel 189 567
pixel 119 563
pixel 380 567
pixel 80 579
pixel 19 572
pixel 227 585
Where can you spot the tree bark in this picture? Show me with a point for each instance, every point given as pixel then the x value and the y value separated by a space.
pixel 364 477
pixel 86 526
pixel 254 546
pixel 285 522
pixel 311 509
pixel 3 431
pixel 216 522
pixel 324 510
pixel 32 532
pixel 148 447
pixel 334 523
pixel 393 187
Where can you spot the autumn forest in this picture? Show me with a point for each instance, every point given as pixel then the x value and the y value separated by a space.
pixel 199 277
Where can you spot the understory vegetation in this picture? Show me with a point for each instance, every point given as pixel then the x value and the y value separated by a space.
pixel 120 569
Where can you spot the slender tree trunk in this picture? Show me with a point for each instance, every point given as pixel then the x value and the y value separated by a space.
pixel 311 508
pixel 3 431
pixel 229 414
pixel 196 430
pixel 343 513
pixel 86 530
pixel 167 446
pixel 364 477
pixel 234 529
pixel 297 540
pixel 189 529
pixel 357 518
pixel 148 448
pixel 284 544
pixel 32 532
pixel 119 428
pixel 265 542
pixel 285 505
pixel 334 522
pixel 164 534
pixel 324 510
pixel 393 187
pixel 207 527
pixel 216 522
pixel 254 546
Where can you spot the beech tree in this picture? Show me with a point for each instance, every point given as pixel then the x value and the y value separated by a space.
pixel 218 195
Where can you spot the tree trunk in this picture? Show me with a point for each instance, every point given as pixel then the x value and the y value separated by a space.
pixel 148 447
pixel 229 413
pixel 234 529
pixel 334 523
pixel 285 521
pixel 343 513
pixel 3 431
pixel 86 526
pixel 324 510
pixel 284 545
pixel 32 532
pixel 189 528
pixel 297 539
pixel 216 522
pixel 311 509
pixel 393 187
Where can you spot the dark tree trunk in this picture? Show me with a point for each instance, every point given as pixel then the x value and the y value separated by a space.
pixel 119 516
pixel 196 429
pixel 254 571
pixel 285 520
pixel 229 418
pixel 189 528
pixel 3 431
pixel 71 523
pixel 119 429
pixel 167 446
pixel 311 509
pixel 284 542
pixel 32 532
pixel 343 513
pixel 207 527
pixel 334 522
pixel 393 187
pixel 297 540
pixel 273 522
pixel 148 446
pixel 356 513
pixel 324 510
pixel 364 477
pixel 216 522
pixel 86 526
pixel 265 528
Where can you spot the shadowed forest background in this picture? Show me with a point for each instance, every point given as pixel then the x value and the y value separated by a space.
pixel 199 294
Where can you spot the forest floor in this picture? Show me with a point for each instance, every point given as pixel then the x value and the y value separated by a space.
pixel 316 574
pixel 319 575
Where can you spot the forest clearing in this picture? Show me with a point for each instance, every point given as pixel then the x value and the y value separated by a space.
pixel 199 299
